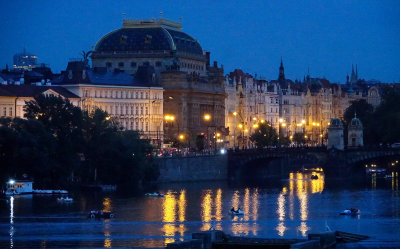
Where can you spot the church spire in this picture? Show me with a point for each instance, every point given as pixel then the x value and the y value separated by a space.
pixel 281 72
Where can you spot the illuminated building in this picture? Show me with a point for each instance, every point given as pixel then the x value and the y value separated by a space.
pixel 192 86
pixel 135 102
pixel 25 61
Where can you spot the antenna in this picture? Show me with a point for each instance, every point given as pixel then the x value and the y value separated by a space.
pixel 161 14
pixel 123 15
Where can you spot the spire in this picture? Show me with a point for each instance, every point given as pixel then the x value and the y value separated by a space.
pixel 281 77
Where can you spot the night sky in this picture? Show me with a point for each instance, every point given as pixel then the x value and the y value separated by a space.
pixel 324 36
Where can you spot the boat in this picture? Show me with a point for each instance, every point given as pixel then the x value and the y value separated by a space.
pixel 50 192
pixel 154 194
pixel 351 211
pixel 100 215
pixel 236 212
pixel 65 199
pixel 18 187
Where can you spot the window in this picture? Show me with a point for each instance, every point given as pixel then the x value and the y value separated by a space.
pixel 146 63
pixel 133 64
pixel 126 110
pixel 147 126
pixel 147 110
pixel 147 95
pixel 11 111
pixel 137 110
pixel 141 110
pixel 141 95
pixel 131 126
pixel 4 111
pixel 121 64
pixel 137 95
pixel 158 63
pixel 108 64
pixel 131 110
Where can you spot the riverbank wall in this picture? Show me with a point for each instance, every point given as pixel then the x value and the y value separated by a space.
pixel 198 168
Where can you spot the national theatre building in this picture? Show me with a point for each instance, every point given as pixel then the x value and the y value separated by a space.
pixel 193 89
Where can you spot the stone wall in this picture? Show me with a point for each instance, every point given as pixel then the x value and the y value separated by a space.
pixel 198 168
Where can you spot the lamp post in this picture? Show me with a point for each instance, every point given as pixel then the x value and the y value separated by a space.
pixel 169 118
pixel 207 119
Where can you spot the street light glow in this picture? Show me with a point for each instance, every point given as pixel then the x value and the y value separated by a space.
pixel 262 121
pixel 11 181
pixel 240 126
pixel 303 121
pixel 281 120
pixel 181 137
pixel 207 117
pixel 235 113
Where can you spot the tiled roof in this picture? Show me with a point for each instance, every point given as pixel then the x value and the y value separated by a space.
pixel 75 75
pixel 32 91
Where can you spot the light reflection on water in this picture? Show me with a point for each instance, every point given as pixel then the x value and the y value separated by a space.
pixel 289 209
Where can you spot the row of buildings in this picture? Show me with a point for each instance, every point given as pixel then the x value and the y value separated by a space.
pixel 152 77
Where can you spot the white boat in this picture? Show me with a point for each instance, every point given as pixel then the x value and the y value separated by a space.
pixel 237 212
pixel 18 187
pixel 65 199
pixel 154 194
pixel 50 192
pixel 351 211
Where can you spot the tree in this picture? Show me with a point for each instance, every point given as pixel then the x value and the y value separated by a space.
pixel 200 140
pixel 299 138
pixel 265 135
pixel 386 118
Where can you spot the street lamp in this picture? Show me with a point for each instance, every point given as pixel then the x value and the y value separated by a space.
pixel 207 118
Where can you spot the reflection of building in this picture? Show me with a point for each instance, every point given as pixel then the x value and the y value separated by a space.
pixel 136 102
pixel 13 97
pixel 335 135
pixel 192 86
pixel 25 61
pixel 355 133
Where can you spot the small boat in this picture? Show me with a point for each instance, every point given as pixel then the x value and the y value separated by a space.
pixel 236 212
pixel 65 199
pixel 351 211
pixel 314 177
pixel 154 194
pixel 100 215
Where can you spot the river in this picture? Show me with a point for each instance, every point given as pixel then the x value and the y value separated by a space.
pixel 289 208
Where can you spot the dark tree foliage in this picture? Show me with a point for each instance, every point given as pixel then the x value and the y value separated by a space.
pixel 200 141
pixel 59 145
pixel 380 125
pixel 299 138
pixel 264 136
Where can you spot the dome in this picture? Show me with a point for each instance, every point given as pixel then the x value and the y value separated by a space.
pixel 148 37
pixel 336 123
pixel 355 123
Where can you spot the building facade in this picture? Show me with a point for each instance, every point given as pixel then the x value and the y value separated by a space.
pixel 135 102
pixel 291 107
pixel 193 88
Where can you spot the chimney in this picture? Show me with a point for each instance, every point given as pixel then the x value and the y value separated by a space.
pixel 215 64
pixel 208 58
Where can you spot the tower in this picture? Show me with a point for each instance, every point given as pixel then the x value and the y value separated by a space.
pixel 281 77
pixel 335 135
pixel 355 133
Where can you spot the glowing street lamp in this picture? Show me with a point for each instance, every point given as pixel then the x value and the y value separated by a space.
pixel 181 137
pixel 262 121
pixel 280 120
pixel 235 113
pixel 240 126
pixel 255 126
pixel 207 117
pixel 303 121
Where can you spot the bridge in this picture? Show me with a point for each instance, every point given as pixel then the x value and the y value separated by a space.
pixel 280 161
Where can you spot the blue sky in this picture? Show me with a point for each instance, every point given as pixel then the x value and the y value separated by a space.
pixel 325 36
